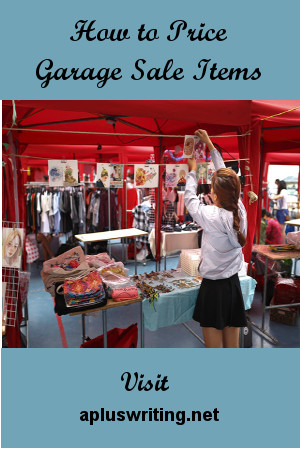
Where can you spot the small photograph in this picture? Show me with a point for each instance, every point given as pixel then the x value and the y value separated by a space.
pixel 202 169
pixel 56 172
pixel 145 176
pixel 116 175
pixel 189 146
pixel 103 172
pixel 12 246
pixel 70 173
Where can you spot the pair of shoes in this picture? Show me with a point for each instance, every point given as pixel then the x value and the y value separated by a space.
pixel 177 228
pixel 167 228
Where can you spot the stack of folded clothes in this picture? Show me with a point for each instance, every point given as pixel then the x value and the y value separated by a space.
pixel 98 261
pixel 118 285
pixel 68 265
pixel 85 291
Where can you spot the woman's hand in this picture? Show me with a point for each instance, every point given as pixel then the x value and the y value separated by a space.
pixel 192 164
pixel 202 134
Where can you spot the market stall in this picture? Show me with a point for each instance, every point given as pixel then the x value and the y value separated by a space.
pixel 126 133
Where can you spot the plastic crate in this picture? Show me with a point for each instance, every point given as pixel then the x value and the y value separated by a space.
pixel 190 260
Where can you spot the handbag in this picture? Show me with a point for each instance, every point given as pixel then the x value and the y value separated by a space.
pixel 83 291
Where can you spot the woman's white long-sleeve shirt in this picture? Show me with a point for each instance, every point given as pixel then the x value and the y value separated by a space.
pixel 221 255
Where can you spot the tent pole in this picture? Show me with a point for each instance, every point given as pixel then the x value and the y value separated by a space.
pixel 158 203
pixel 15 178
pixel 260 193
pixel 281 128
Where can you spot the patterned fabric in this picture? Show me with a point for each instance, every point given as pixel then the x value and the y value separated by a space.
pixel 67 261
pixel 141 222
pixel 85 291
pixel 273 232
pixel 24 286
pixel 87 286
pixel 124 293
pixel 32 250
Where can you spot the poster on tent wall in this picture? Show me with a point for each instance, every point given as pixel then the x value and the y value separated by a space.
pixel 63 173
pixel 202 169
pixel 176 174
pixel 146 175
pixel 12 246
pixel 116 175
pixel 103 175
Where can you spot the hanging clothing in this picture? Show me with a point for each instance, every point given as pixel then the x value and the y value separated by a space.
pixel 104 216
pixel 45 205
pixel 141 221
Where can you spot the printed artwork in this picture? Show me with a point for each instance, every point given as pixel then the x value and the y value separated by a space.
pixel 63 173
pixel 176 175
pixel 103 175
pixel 146 176
pixel 199 151
pixel 12 246
pixel 56 172
pixel 116 175
pixel 210 172
pixel 70 173
pixel 202 169
pixel 189 146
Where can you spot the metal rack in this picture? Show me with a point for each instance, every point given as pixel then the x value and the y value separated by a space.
pixel 10 289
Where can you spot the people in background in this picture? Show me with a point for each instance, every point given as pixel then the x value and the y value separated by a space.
pixel 282 211
pixel 273 229
pixel 45 241
pixel 263 226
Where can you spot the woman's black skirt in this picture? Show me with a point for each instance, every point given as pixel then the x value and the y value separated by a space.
pixel 220 304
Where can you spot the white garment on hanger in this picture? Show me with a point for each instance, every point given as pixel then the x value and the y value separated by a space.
pixel 45 205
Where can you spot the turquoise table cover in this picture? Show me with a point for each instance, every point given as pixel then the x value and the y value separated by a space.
pixel 178 306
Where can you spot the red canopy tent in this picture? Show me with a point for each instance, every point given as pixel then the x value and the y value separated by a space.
pixel 258 128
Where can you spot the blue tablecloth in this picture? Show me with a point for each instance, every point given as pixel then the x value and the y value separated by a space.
pixel 178 306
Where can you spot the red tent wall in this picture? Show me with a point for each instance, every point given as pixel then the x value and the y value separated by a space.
pixel 165 117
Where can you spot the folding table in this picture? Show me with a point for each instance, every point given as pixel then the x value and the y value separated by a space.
pixel 265 250
pixel 110 235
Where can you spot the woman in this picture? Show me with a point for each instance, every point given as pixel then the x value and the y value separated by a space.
pixel 282 210
pixel 220 306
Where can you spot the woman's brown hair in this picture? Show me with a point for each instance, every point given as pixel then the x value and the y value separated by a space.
pixel 227 187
